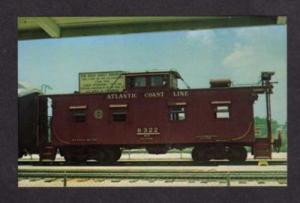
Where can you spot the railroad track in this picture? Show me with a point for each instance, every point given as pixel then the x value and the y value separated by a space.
pixel 148 163
pixel 151 174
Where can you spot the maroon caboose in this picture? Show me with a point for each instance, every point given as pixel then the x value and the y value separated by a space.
pixel 153 113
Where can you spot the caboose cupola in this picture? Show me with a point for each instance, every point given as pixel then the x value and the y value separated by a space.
pixel 152 80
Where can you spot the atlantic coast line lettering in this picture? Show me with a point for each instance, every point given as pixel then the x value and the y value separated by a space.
pixel 146 95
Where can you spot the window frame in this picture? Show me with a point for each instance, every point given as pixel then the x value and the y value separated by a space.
pixel 163 79
pixel 118 109
pixel 175 113
pixel 173 82
pixel 222 112
pixel 221 103
pixel 78 113
pixel 134 82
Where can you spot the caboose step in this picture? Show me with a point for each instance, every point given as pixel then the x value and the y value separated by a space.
pixel 262 148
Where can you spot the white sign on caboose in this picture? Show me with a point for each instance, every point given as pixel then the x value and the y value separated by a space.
pixel 96 82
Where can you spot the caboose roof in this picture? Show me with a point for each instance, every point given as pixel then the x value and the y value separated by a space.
pixel 175 73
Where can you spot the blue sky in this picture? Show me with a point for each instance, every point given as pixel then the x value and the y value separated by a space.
pixel 239 54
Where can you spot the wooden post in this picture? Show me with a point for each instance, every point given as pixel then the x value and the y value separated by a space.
pixel 228 179
pixel 65 179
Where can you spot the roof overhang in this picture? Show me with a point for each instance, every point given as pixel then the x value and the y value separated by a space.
pixel 58 27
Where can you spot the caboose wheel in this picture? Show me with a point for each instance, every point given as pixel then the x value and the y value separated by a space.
pixel 200 154
pixel 117 154
pixel 20 155
pixel 237 154
pixel 107 155
pixel 75 159
pixel 111 154
pixel 101 155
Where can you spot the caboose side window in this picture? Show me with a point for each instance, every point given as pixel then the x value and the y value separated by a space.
pixel 119 112
pixel 140 81
pixel 79 116
pixel 222 111
pixel 177 113
pixel 130 82
pixel 157 81
pixel 119 116
pixel 173 82
pixel 78 113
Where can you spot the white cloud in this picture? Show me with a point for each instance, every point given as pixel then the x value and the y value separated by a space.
pixel 206 37
pixel 242 56
pixel 255 47
pixel 247 60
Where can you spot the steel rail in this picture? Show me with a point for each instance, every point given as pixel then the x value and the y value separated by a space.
pixel 148 163
pixel 274 175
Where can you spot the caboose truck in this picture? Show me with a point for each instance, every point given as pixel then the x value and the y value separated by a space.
pixel 152 113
